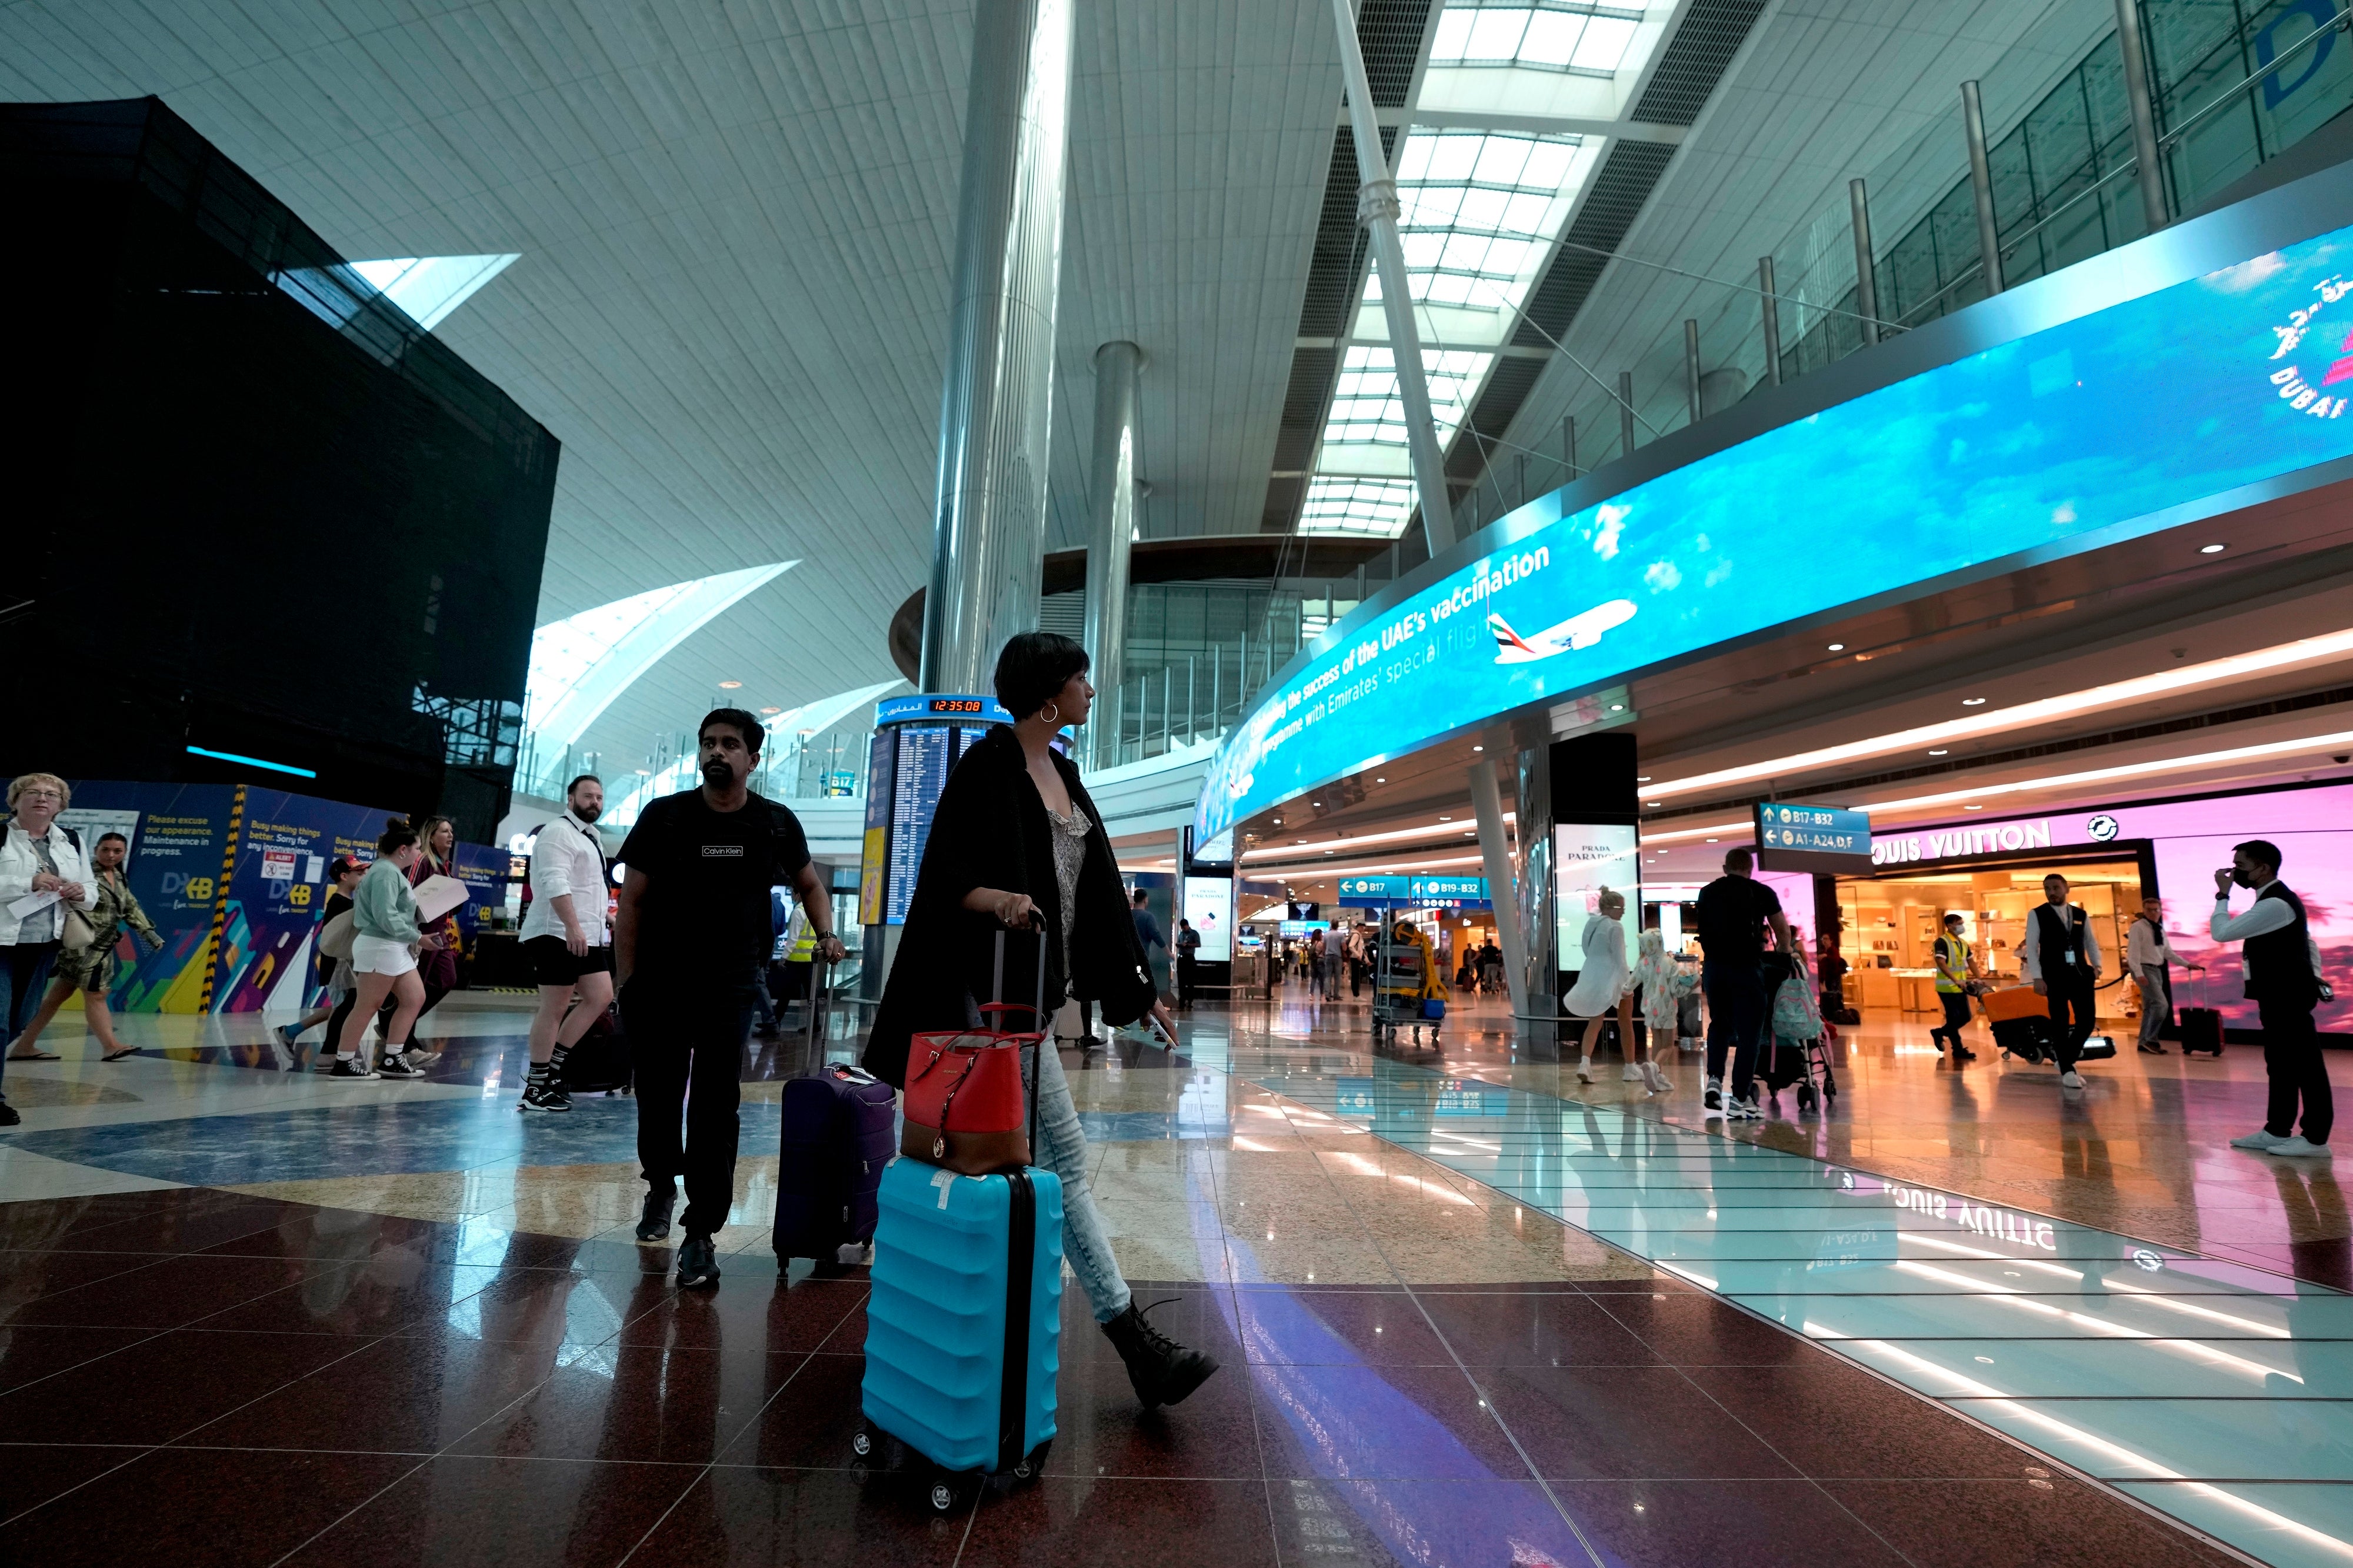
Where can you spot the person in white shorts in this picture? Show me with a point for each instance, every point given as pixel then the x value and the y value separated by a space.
pixel 385 940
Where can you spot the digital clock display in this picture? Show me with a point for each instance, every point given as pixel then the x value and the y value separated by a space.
pixel 959 705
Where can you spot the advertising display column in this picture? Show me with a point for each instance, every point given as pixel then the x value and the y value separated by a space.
pixel 1596 842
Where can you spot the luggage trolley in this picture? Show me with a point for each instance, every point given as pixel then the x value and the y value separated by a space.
pixel 1397 983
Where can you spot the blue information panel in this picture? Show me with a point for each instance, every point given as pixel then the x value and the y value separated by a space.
pixel 923 772
pixel 2126 420
pixel 1416 892
pixel 942 706
pixel 1812 839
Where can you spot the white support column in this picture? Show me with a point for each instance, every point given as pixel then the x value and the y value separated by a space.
pixel 1487 805
pixel 1377 209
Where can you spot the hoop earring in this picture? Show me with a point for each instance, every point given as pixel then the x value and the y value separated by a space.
pixel 1054 717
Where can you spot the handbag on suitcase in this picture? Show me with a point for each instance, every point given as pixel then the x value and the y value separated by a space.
pixel 963 1324
pixel 835 1142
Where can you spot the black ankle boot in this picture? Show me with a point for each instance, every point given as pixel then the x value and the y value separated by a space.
pixel 1160 1371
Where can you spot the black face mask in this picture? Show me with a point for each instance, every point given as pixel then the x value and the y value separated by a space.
pixel 588 813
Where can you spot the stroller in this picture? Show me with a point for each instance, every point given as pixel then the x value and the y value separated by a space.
pixel 1690 1032
pixel 1799 1042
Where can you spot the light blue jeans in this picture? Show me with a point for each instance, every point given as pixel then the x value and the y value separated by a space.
pixel 1062 1149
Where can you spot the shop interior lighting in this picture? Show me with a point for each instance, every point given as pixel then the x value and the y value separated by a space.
pixel 1837 648
pixel 1973 701
pixel 1939 750
pixel 2024 715
pixel 2213 549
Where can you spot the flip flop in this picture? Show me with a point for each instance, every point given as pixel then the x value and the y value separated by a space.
pixel 38 1056
pixel 117 1055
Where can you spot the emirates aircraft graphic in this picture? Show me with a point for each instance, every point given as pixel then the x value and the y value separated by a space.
pixel 1577 632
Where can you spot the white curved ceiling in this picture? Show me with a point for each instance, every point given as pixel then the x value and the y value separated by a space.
pixel 733 226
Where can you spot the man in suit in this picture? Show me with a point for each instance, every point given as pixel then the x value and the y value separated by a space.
pixel 2284 981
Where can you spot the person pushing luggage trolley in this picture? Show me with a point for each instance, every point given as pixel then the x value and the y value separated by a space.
pixel 1016 838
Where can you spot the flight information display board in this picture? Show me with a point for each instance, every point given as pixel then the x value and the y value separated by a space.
pixel 921 773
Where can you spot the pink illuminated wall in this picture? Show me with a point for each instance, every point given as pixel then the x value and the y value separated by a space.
pixel 2313 827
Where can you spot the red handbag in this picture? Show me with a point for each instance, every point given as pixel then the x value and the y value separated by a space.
pixel 964 1099
pixel 965 1109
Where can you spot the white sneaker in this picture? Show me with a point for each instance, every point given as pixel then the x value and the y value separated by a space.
pixel 1631 1074
pixel 1745 1111
pixel 1656 1079
pixel 2071 1079
pixel 2261 1141
pixel 2297 1147
pixel 1585 1069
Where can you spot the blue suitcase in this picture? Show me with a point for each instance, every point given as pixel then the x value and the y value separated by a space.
pixel 964 1327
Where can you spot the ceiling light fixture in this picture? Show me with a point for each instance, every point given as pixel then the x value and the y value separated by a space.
pixel 1478 748
pixel 1616 708
pixel 1973 701
pixel 771 710
pixel 2024 715
pixel 1837 648
pixel 2213 549
pixel 1938 750
pixel 730 685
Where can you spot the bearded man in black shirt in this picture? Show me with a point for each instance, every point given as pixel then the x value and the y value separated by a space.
pixel 692 933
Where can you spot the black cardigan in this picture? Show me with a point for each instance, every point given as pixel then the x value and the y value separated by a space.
pixel 990 831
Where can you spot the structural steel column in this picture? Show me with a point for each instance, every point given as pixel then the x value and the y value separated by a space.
pixel 997 407
pixel 1981 187
pixel 1691 365
pixel 1866 283
pixel 2149 170
pixel 1110 528
pixel 1535 998
pixel 1487 805
pixel 1377 209
pixel 1626 413
pixel 1770 298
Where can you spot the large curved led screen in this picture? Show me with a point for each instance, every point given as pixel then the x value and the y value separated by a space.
pixel 2117 422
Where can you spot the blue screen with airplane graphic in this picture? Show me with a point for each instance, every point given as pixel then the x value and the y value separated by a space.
pixel 2115 423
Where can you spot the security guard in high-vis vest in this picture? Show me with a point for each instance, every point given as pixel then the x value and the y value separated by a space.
pixel 1957 965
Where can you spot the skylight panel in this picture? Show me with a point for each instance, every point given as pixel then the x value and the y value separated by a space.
pixel 1372 508
pixel 1368 406
pixel 1589 36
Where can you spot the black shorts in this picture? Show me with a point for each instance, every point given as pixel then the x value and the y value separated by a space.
pixel 551 963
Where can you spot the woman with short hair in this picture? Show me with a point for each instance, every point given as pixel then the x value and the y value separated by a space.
pixel 37 858
pixel 91 970
pixel 1016 839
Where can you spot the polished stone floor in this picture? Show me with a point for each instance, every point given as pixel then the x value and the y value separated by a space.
pixel 1472 1310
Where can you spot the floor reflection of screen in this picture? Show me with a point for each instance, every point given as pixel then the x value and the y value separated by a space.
pixel 1209 905
pixel 1587 857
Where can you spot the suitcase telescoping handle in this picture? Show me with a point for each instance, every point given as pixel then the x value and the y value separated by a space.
pixel 1037 1010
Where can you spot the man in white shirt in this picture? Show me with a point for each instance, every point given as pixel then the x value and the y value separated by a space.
pixel 2148 959
pixel 567 940
pixel 2060 955
pixel 2284 981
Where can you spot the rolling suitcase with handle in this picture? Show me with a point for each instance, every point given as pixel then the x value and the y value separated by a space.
pixel 2201 1027
pixel 837 1141
pixel 964 1326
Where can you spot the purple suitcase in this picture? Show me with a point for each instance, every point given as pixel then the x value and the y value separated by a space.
pixel 837 1136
